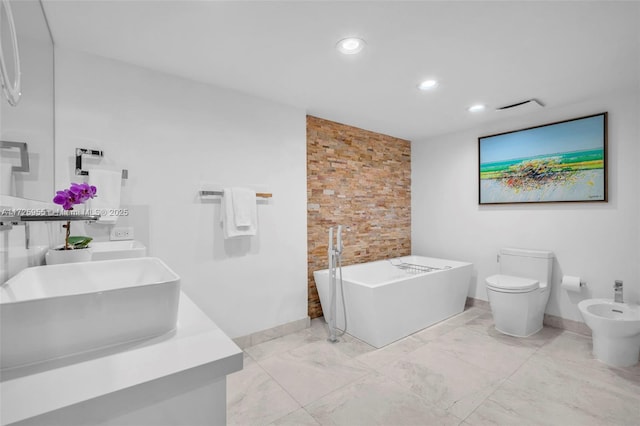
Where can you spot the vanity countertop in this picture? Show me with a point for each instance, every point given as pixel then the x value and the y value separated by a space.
pixel 32 390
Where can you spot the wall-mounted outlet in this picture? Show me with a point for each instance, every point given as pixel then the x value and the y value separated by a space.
pixel 123 233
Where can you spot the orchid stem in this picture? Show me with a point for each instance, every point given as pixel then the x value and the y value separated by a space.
pixel 66 238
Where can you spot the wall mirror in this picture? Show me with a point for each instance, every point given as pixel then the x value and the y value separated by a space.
pixel 27 129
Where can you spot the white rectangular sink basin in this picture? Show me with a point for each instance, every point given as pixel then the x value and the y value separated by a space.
pixel 106 250
pixel 53 311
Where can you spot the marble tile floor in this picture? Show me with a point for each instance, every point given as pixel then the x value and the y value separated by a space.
pixel 458 372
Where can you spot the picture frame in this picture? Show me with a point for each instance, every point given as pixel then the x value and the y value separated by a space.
pixel 564 161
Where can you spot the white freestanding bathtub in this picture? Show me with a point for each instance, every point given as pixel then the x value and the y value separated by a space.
pixel 386 302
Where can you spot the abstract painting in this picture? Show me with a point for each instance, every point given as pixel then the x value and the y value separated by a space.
pixel 557 162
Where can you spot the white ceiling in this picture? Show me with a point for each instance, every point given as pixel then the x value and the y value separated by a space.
pixel 496 53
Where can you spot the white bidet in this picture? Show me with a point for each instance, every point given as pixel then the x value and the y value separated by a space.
pixel 615 330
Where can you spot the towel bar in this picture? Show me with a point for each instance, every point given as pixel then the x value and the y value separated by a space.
pixel 96 153
pixel 24 154
pixel 221 193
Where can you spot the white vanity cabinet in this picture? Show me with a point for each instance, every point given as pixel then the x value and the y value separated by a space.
pixel 175 379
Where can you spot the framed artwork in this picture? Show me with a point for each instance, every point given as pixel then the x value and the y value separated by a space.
pixel 564 161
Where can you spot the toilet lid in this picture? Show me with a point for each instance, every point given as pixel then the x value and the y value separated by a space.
pixel 511 283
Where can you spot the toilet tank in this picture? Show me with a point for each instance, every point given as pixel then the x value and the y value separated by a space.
pixel 534 264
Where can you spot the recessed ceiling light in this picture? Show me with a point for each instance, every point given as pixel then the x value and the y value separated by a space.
pixel 476 108
pixel 350 46
pixel 428 84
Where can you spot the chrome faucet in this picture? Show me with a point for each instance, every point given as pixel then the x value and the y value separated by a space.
pixel 617 292
pixel 7 222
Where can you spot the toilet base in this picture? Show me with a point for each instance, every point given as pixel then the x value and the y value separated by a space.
pixel 518 314
pixel 509 333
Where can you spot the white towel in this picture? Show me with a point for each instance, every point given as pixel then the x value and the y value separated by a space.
pixel 244 206
pixel 240 209
pixel 107 200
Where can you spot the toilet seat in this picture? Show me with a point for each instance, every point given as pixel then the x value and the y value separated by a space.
pixel 511 284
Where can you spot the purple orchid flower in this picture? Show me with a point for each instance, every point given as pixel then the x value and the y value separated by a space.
pixel 65 198
pixel 78 193
pixel 83 191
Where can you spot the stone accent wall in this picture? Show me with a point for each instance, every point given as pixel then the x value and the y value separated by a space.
pixel 362 180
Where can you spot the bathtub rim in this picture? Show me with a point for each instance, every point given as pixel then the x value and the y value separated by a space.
pixel 459 264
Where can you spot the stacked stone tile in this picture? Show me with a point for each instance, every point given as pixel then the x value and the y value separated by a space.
pixel 362 180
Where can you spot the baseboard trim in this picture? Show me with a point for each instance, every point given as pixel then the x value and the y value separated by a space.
pixel 477 303
pixel 577 327
pixel 272 333
pixel 293 326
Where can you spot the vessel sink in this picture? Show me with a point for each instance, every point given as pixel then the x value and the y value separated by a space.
pixel 615 330
pixel 53 311
pixel 107 250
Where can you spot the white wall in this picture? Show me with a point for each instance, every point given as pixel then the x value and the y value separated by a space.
pixel 598 241
pixel 171 134
pixel 31 121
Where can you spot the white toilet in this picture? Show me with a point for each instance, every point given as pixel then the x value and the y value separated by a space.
pixel 519 294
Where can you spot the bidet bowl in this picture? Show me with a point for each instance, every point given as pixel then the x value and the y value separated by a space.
pixel 615 330
pixel 54 311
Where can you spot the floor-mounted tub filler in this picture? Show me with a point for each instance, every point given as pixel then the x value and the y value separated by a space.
pixel 387 300
pixel 335 273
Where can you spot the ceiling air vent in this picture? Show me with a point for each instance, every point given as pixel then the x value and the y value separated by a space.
pixel 531 103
